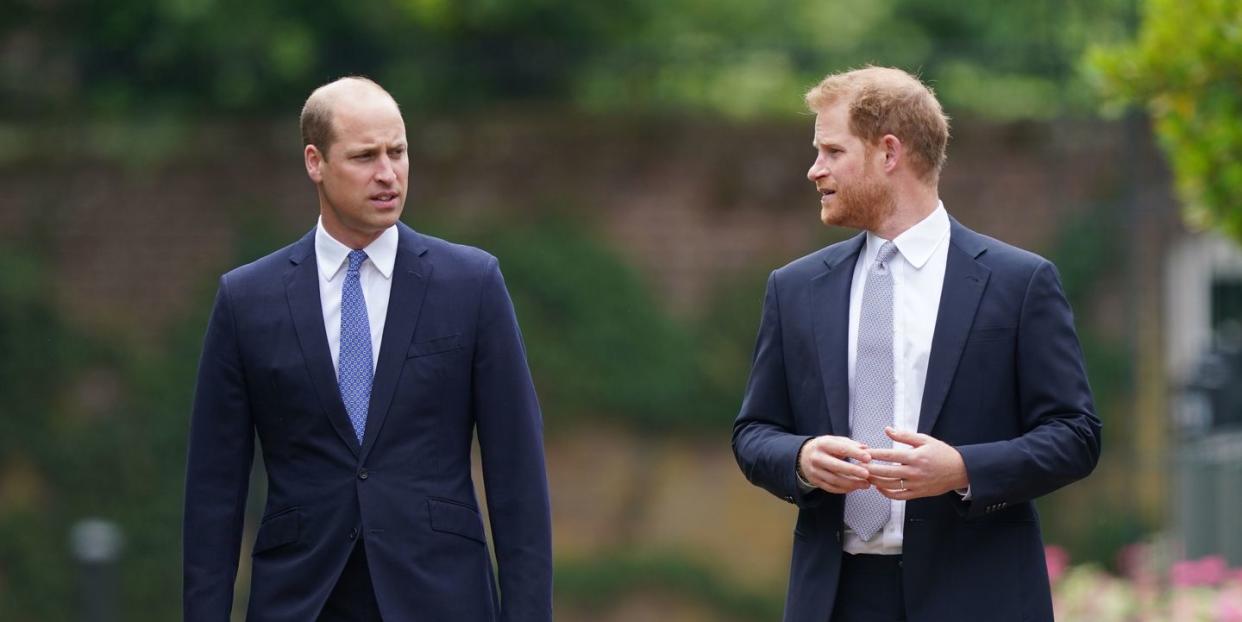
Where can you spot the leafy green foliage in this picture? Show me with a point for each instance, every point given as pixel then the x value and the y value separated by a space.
pixel 744 59
pixel 89 429
pixel 39 355
pixel 74 445
pixel 1185 66
pixel 731 57
pixel 601 346
pixel 1085 252
pixel 598 342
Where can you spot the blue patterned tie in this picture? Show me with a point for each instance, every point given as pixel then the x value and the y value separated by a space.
pixel 354 367
pixel 866 511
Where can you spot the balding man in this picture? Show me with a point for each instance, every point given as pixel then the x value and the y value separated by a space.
pixel 915 388
pixel 365 357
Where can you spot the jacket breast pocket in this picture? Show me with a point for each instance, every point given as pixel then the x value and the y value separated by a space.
pixel 992 333
pixel 438 345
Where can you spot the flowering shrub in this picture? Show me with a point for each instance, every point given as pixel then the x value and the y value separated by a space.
pixel 1149 588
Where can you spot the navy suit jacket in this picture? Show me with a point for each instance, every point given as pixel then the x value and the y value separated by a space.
pixel 451 362
pixel 1005 386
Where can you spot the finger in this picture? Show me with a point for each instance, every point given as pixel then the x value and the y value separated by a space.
pixel 843 447
pixel 889 471
pixel 832 482
pixel 887 484
pixel 898 456
pixel 898 494
pixel 832 464
pixel 911 438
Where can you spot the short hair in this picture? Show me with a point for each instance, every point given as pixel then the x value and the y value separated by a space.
pixel 316 119
pixel 884 100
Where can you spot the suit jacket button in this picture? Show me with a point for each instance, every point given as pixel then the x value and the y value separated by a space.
pixel 362 474
pixel 353 533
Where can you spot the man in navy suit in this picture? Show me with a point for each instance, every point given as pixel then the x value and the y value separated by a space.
pixel 366 356
pixel 914 388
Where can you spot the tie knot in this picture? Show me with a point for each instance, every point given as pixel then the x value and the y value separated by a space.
pixel 355 260
pixel 887 251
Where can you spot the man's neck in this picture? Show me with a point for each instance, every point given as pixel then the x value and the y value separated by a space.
pixel 355 240
pixel 911 208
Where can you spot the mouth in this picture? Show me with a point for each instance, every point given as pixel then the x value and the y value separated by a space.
pixel 385 200
pixel 825 195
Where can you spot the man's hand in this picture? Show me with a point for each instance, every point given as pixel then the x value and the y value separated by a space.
pixel 930 467
pixel 825 464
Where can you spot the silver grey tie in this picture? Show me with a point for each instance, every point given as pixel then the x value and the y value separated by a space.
pixel 866 511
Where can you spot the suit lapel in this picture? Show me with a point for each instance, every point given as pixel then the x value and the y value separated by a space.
pixel 302 290
pixel 410 277
pixel 964 282
pixel 830 310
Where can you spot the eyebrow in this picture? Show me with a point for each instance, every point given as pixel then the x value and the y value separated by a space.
pixel 372 148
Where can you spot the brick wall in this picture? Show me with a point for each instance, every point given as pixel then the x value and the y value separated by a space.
pixel 137 229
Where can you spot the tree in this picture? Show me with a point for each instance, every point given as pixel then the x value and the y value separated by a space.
pixel 1185 66
pixel 736 58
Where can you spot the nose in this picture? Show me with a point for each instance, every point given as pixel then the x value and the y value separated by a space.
pixel 818 169
pixel 385 172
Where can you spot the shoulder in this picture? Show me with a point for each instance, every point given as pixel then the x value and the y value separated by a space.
pixel 1002 258
pixel 269 270
pixel 807 267
pixel 448 258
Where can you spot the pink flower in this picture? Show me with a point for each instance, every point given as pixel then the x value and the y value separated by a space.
pixel 1210 570
pixel 1229 606
pixel 1057 560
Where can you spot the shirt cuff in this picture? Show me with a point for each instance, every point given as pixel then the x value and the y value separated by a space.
pixel 803 486
pixel 965 492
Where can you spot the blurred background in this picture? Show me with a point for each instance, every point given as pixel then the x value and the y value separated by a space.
pixel 638 167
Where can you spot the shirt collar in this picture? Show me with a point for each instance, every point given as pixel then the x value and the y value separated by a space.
pixel 917 243
pixel 331 255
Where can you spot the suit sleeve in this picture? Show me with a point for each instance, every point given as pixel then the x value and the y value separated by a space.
pixel 510 431
pixel 765 441
pixel 221 448
pixel 1061 439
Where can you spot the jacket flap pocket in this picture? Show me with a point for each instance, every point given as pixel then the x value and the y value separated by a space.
pixel 279 530
pixel 435 346
pixel 457 518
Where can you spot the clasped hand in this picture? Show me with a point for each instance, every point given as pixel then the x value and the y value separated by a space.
pixel 927 468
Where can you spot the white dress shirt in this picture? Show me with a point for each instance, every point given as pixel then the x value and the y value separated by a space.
pixel 918 277
pixel 375 275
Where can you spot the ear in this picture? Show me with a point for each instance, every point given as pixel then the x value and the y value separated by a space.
pixel 893 152
pixel 314 163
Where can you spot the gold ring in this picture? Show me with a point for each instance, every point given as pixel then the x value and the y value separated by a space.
pixel 903 485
